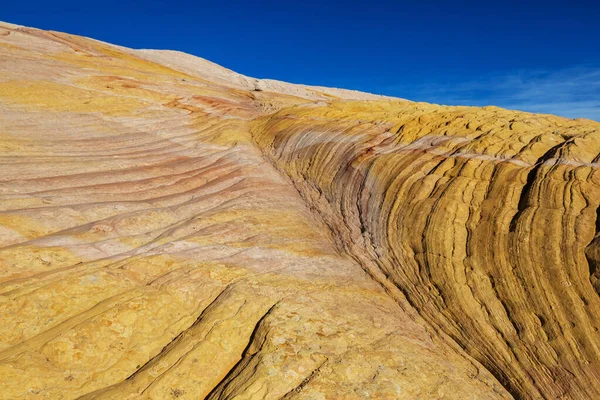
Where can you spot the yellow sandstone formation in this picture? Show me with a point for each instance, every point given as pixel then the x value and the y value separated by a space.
pixel 171 229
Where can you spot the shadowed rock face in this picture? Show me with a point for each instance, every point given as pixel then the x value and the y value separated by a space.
pixel 169 231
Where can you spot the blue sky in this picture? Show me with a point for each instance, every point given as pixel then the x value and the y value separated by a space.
pixel 541 56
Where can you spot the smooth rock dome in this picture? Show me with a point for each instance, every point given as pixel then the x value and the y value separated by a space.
pixel 168 231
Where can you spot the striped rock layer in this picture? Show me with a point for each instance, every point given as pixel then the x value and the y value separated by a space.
pixel 172 229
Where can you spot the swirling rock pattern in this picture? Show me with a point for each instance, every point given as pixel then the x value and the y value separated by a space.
pixel 172 229
pixel 481 218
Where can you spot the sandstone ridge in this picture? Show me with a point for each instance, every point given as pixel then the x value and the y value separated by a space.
pixel 170 229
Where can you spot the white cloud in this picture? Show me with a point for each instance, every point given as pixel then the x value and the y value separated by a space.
pixel 572 92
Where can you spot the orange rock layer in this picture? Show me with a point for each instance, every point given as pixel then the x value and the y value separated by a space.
pixel 172 229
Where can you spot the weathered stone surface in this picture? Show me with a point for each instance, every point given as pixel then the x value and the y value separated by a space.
pixel 482 217
pixel 169 231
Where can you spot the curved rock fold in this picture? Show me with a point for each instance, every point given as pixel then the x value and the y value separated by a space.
pixel 168 231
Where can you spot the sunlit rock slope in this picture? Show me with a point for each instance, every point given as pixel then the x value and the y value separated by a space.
pixel 172 229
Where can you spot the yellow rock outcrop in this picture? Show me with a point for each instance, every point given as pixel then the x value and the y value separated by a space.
pixel 172 229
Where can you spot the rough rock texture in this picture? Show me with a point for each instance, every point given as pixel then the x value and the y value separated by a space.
pixel 172 229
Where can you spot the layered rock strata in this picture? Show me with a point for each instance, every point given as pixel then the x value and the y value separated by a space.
pixel 483 220
pixel 172 229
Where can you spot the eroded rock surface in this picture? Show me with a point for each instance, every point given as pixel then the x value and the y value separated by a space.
pixel 172 229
